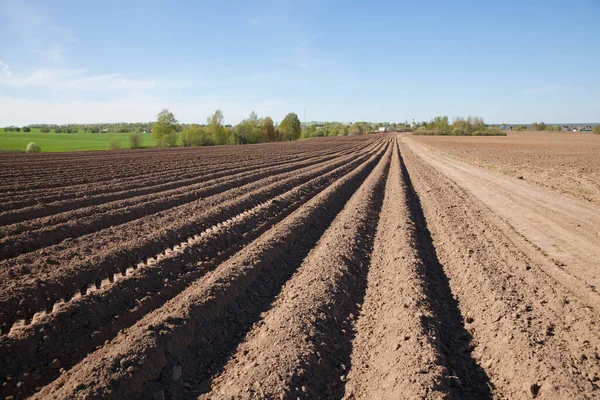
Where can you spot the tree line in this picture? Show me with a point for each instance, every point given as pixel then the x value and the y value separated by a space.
pixel 469 126
pixel 251 130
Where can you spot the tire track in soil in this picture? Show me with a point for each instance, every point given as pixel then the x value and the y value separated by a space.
pixel 301 347
pixel 471 381
pixel 91 321
pixel 210 315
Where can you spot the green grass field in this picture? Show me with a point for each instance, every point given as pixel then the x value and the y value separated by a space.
pixel 54 142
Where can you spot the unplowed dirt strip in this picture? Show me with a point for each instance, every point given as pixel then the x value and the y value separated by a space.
pixel 21 299
pixel 565 229
pixel 306 336
pixel 96 318
pixel 531 335
pixel 181 341
pixel 396 352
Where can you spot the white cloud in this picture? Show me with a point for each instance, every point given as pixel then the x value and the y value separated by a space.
pixel 108 82
pixel 46 77
pixel 5 70
pixel 24 111
pixel 71 80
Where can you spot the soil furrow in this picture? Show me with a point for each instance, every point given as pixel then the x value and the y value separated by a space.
pixel 149 358
pixel 96 168
pixel 396 352
pixel 96 318
pixel 21 299
pixel 301 347
pixel 77 223
pixel 44 208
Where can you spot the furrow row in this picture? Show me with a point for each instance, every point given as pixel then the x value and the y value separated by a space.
pixel 72 224
pixel 306 335
pixel 83 169
pixel 93 319
pixel 24 294
pixel 45 206
pixel 206 319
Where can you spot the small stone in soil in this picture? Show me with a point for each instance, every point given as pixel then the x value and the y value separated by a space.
pixel 534 389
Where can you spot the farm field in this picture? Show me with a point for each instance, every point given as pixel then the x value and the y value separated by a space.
pixel 362 267
pixel 59 142
pixel 568 162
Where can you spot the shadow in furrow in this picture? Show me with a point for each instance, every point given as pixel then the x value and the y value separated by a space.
pixel 447 321
pixel 216 342
pixel 324 374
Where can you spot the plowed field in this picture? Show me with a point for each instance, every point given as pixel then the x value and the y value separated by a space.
pixel 359 268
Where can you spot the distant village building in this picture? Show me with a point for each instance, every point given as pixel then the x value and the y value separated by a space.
pixel 383 129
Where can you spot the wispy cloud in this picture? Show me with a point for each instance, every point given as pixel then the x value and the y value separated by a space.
pixel 22 111
pixel 37 32
pixel 5 70
pixel 70 80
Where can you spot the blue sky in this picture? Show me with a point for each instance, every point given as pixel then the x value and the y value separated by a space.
pixel 507 61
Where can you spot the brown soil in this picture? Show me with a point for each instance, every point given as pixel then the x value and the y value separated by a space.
pixel 357 268
pixel 568 162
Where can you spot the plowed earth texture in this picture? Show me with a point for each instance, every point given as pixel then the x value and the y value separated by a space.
pixel 372 267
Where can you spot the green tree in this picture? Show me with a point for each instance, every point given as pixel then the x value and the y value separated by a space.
pixel 216 130
pixel 114 144
pixel 309 131
pixel 192 135
pixel 596 130
pixel 135 139
pixel 249 130
pixel 32 147
pixel 333 130
pixel 355 129
pixel 164 130
pixel 268 130
pixel 538 127
pixel 291 127
pixel 26 129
